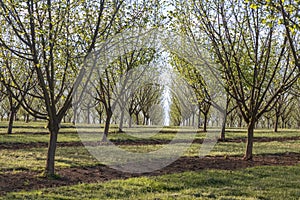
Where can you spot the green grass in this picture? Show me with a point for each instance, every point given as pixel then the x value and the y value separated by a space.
pixel 37 132
pixel 253 183
pixel 32 138
pixel 34 159
pixel 267 182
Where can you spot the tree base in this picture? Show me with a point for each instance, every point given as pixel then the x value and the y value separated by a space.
pixel 121 131
pixel 50 176
pixel 247 158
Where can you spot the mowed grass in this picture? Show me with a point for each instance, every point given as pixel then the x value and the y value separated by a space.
pixel 267 182
pixel 34 159
pixel 37 132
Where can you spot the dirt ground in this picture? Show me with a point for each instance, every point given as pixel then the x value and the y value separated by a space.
pixel 32 180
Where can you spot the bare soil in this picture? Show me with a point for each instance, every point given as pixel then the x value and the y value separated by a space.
pixel 29 180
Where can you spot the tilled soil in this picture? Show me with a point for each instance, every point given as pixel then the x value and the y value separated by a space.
pixel 28 180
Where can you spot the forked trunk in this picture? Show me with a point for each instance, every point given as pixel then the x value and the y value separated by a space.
pixel 249 147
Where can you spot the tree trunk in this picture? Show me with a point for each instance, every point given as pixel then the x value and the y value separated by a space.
pixel 199 121
pixel 249 147
pixel 193 119
pixel 269 124
pixel 107 124
pixel 130 121
pixel 276 123
pixel 74 121
pixel 100 117
pixel 88 115
pixel 50 164
pixel 11 120
pixel 222 136
pixel 205 122
pixel 137 118
pixel 240 121
pixel 121 122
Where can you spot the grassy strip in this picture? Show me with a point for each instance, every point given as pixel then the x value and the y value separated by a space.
pixel 267 182
pixel 71 135
pixel 35 158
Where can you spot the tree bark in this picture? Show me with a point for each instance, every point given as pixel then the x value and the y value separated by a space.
pixel 222 135
pixel 276 123
pixel 11 120
pixel 137 118
pixel 121 122
pixel 130 121
pixel 249 147
pixel 205 122
pixel 107 124
pixel 50 164
pixel 88 115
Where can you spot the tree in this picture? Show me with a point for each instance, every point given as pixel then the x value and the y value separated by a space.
pixel 251 52
pixel 17 85
pixel 53 36
pixel 287 14
pixel 118 77
pixel 194 79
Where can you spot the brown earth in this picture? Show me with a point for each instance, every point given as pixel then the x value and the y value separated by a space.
pixel 29 180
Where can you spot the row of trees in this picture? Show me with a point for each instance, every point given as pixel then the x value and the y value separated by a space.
pixel 255 45
pixel 45 49
pixel 50 50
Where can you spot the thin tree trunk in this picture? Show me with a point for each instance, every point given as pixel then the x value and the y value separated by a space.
pixel 240 121
pixel 222 136
pixel 74 115
pixel 121 122
pixel 249 147
pixel 276 123
pixel 199 121
pixel 50 164
pixel 107 124
pixel 205 122
pixel 100 118
pixel 193 120
pixel 130 121
pixel 88 115
pixel 137 118
pixel 11 121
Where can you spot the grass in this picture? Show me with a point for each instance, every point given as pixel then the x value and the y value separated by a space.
pixel 253 183
pixel 34 159
pixel 37 132
pixel 278 182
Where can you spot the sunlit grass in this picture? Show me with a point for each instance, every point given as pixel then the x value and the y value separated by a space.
pixel 35 158
pixel 267 182
pixel 37 132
